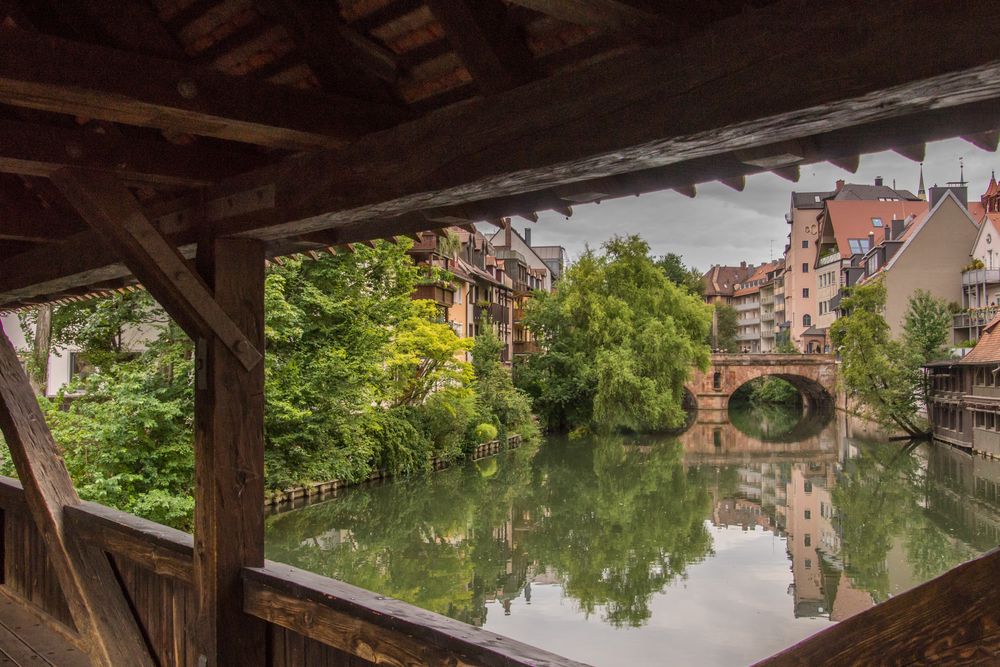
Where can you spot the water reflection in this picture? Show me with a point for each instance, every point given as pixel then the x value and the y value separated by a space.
pixel 641 533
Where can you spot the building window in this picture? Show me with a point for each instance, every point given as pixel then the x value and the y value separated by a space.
pixel 717 381
pixel 876 222
pixel 807 320
pixel 808 486
pixel 809 514
pixel 809 563
pixel 858 246
pixel 808 540
pixel 805 267
pixel 805 292
pixel 805 243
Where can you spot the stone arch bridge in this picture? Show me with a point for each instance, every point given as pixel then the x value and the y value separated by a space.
pixel 814 375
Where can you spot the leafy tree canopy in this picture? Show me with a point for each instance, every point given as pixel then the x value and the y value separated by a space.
pixel 619 341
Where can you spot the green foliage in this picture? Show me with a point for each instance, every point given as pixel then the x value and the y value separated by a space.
pixel 785 345
pixel 619 342
pixel 884 375
pixel 769 390
pixel 358 377
pixel 686 278
pixel 485 432
pixel 726 327
pixel 927 326
pixel 498 402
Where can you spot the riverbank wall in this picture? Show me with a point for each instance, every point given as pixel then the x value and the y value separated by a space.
pixel 287 499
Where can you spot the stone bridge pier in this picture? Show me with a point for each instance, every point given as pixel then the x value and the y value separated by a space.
pixel 814 375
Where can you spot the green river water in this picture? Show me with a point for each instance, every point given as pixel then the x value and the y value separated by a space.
pixel 720 546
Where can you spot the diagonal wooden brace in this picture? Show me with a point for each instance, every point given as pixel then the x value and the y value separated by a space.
pixel 108 207
pixel 93 594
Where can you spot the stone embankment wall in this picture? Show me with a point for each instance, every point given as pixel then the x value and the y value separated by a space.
pixel 297 496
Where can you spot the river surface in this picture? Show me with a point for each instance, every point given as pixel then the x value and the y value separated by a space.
pixel 721 546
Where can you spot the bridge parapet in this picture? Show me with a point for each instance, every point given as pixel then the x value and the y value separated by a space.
pixel 814 375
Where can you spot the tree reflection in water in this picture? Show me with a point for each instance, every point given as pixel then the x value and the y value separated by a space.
pixel 615 520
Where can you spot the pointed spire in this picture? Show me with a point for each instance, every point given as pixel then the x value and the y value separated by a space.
pixel 921 192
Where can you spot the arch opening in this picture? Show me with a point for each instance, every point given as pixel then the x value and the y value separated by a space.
pixel 799 408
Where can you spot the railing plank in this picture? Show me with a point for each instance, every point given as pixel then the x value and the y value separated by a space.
pixel 953 619
pixel 165 551
pixel 375 628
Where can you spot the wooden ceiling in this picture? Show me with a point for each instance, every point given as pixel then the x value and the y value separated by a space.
pixel 317 123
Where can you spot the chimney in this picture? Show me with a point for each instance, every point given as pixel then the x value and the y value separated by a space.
pixel 743 265
pixel 888 233
pixel 897 228
pixel 871 240
pixel 840 184
pixel 527 236
pixel 878 180
pixel 506 232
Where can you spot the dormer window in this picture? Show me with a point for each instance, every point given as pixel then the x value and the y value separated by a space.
pixel 876 222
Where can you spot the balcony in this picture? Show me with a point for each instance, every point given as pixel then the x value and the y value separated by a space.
pixel 748 305
pixel 829 258
pixel 748 321
pixel 748 335
pixel 495 312
pixel 518 315
pixel 977 317
pixel 526 347
pixel 981 277
pixel 439 294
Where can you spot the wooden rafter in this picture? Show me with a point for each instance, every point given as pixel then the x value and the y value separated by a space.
pixel 491 48
pixel 39 150
pixel 52 74
pixel 23 218
pixel 615 16
pixel 117 217
pixel 96 601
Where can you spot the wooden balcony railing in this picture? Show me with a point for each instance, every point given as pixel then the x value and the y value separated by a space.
pixel 311 620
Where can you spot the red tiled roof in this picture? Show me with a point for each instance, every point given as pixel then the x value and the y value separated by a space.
pixel 852 219
pixel 987 350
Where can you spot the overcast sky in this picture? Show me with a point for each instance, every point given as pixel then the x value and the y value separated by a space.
pixel 722 226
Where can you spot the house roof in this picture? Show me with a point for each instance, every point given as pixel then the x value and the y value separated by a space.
pixel 722 280
pixel 987 350
pixel 759 276
pixel 862 191
pixel 852 219
pixel 805 200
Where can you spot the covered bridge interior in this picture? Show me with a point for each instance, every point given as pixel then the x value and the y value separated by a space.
pixel 181 143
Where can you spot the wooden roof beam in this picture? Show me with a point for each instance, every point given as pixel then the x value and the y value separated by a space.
pixel 39 150
pixel 57 75
pixel 24 218
pixel 117 217
pixel 618 16
pixel 492 49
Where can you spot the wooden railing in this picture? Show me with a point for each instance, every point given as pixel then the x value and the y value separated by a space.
pixel 311 620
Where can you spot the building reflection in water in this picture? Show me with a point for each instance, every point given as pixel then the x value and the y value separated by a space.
pixel 615 521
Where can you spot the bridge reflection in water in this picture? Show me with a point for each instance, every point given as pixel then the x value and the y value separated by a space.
pixel 615 525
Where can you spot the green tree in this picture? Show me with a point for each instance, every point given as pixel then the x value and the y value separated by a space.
pixel 927 326
pixel 498 402
pixel 726 326
pixel 678 273
pixel 882 374
pixel 619 341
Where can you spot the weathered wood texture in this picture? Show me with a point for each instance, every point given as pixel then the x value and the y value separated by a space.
pixel 96 602
pixel 229 458
pixel 51 74
pixel 379 629
pixel 113 212
pixel 954 620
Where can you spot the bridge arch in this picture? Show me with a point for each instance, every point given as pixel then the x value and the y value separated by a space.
pixel 815 376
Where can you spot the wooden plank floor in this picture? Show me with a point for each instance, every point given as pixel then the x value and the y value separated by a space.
pixel 25 641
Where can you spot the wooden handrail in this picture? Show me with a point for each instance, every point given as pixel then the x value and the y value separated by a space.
pixel 163 550
pixel 375 628
pixel 334 613
pixel 953 619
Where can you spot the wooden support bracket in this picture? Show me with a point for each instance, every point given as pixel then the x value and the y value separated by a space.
pixel 95 599
pixel 108 207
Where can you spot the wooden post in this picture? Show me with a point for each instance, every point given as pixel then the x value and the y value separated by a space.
pixel 95 598
pixel 229 459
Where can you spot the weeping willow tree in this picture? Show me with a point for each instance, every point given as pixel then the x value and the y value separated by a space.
pixel 619 341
